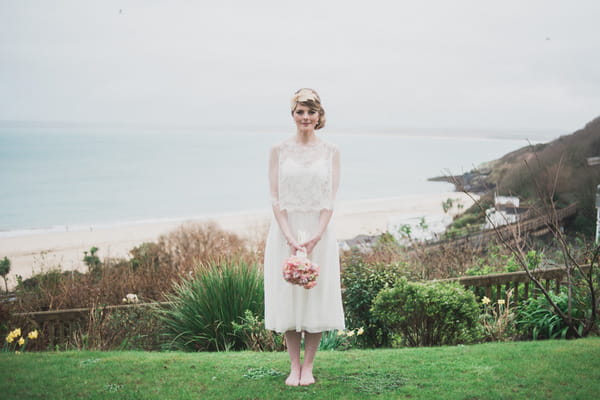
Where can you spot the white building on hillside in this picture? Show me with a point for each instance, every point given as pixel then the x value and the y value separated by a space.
pixel 505 211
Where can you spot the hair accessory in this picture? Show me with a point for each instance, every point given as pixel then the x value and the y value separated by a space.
pixel 304 95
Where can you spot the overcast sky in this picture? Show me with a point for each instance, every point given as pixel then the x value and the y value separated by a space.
pixel 505 65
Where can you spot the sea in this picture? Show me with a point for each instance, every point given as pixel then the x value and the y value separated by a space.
pixel 65 177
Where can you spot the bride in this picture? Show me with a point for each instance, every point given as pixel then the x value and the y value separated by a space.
pixel 304 174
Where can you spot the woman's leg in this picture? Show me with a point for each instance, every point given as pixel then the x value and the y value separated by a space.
pixel 292 341
pixel 311 345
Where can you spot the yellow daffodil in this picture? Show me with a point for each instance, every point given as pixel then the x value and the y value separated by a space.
pixel 21 342
pixel 9 338
pixel 341 333
pixel 486 300
pixel 33 334
pixel 350 333
pixel 501 302
pixel 360 331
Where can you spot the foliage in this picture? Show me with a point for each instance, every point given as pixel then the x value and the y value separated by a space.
pixel 498 262
pixel 16 341
pixel 472 219
pixel 428 314
pixel 92 260
pixel 340 340
pixel 5 270
pixel 362 282
pixel 150 271
pixel 251 329
pixel 202 309
pixel 537 319
pixel 193 246
pixel 498 319
pixel 450 203
pixel 123 328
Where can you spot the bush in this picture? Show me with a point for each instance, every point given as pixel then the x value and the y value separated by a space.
pixel 362 282
pixel 254 335
pixel 202 310
pixel 536 319
pixel 428 314
pixel 127 328
pixel 150 272
pixel 340 340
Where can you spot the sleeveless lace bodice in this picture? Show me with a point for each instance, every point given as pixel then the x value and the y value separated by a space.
pixel 306 176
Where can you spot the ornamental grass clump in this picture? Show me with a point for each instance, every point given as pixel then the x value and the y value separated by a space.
pixel 428 314
pixel 536 318
pixel 202 309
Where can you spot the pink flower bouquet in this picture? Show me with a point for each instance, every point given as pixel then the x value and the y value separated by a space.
pixel 299 270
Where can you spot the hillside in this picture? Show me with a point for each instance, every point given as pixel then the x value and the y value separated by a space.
pixel 559 167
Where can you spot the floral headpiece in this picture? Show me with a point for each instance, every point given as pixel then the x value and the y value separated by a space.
pixel 303 95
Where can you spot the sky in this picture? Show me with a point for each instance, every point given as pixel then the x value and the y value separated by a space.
pixel 378 65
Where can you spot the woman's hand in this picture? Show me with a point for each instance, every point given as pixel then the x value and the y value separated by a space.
pixel 295 246
pixel 310 244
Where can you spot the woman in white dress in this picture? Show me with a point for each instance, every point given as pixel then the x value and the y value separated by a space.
pixel 304 173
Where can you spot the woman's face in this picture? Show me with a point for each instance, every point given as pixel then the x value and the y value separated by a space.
pixel 305 118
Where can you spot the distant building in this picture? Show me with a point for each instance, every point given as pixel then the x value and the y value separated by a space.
pixel 506 211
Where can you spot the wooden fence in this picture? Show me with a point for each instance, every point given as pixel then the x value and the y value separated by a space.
pixel 495 286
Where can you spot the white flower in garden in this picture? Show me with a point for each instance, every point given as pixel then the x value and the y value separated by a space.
pixel 350 333
pixel 341 333
pixel 131 298
pixel 360 331
pixel 486 300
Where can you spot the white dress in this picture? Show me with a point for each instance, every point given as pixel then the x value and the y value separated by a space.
pixel 303 181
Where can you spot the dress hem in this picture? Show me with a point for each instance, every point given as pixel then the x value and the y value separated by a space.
pixel 309 330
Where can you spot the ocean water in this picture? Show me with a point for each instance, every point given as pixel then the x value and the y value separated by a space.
pixel 66 177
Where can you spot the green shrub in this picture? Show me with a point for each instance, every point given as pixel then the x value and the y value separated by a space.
pixel 128 328
pixel 362 282
pixel 340 340
pixel 428 314
pixel 536 319
pixel 251 329
pixel 202 310
pixel 466 220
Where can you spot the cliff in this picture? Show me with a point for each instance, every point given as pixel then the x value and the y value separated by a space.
pixel 559 167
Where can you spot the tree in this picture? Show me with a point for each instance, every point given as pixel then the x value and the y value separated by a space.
pixel 581 281
pixel 4 270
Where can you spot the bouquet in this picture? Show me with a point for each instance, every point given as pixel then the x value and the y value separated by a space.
pixel 299 270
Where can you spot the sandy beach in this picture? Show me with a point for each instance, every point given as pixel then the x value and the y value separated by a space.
pixel 36 251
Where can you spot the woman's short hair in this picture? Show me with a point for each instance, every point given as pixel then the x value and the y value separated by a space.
pixel 309 98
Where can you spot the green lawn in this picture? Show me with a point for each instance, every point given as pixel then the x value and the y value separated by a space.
pixel 515 370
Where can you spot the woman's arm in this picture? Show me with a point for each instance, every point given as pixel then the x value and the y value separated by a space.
pixel 280 215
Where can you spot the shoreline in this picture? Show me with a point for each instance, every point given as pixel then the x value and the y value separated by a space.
pixel 35 251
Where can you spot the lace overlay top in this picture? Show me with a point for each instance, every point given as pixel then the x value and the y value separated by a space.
pixel 304 177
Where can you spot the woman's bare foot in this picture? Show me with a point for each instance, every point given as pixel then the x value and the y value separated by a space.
pixel 293 378
pixel 306 376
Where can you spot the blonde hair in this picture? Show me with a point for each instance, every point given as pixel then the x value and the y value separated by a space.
pixel 309 98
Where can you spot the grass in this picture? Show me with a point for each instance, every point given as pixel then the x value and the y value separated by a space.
pixel 513 370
